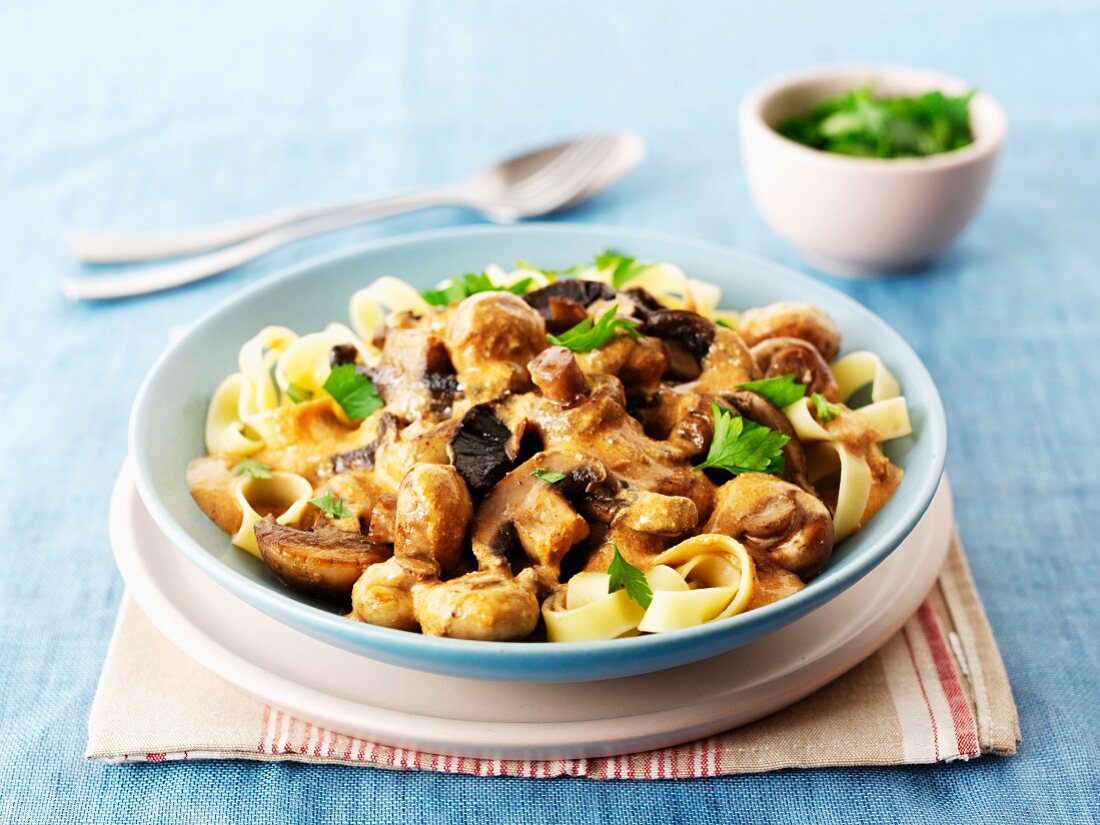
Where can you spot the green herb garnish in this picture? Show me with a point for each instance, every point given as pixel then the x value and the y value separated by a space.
pixel 860 124
pixel 625 576
pixel 552 274
pixel 549 476
pixel 742 446
pixel 623 267
pixel 782 391
pixel 252 467
pixel 589 335
pixel 353 391
pixel 297 394
pixel 824 409
pixel 331 505
pixel 471 283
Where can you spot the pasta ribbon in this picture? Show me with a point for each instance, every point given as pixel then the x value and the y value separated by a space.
pixel 716 580
pixel 858 369
pixel 823 458
pixel 368 307
pixel 284 495
pixel 499 277
pixel 889 417
pixel 225 431
pixel 256 360
pixel 304 364
pixel 585 611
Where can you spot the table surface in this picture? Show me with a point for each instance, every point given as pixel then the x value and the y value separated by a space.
pixel 135 116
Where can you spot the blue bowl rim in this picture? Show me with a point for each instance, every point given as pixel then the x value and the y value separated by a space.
pixel 543 655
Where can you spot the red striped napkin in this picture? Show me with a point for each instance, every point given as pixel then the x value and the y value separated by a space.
pixel 936 692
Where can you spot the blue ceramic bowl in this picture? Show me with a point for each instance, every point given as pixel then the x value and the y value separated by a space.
pixel 166 431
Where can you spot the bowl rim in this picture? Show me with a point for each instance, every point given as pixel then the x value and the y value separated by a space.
pixel 988 139
pixel 546 655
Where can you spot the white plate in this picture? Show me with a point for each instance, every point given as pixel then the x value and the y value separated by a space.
pixel 358 696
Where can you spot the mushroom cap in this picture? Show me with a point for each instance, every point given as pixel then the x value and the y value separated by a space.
pixel 795 356
pixel 791 319
pixel 322 563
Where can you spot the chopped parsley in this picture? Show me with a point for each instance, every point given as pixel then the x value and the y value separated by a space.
pixel 252 467
pixel 781 391
pixel 353 391
pixel 858 123
pixel 824 409
pixel 589 335
pixel 742 446
pixel 623 268
pixel 549 476
pixel 471 283
pixel 332 506
pixel 625 576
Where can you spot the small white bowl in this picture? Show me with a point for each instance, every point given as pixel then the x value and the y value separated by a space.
pixel 858 216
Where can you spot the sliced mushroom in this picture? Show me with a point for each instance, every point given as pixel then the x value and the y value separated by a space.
pixel 485 606
pixel 481 448
pixel 414 376
pixel 795 356
pixel 638 363
pixel 727 364
pixel 322 563
pixel 772 584
pixel 689 328
pixel 759 409
pixel 555 301
pixel 527 521
pixel 789 319
pixel 383 519
pixel 383 594
pixel 433 512
pixel 210 480
pixel 659 515
pixel 555 371
pixel 491 336
pixel 778 522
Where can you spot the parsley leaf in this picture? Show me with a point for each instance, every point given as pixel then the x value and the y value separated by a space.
pixel 625 576
pixel 297 394
pixel 589 335
pixel 782 391
pixel 860 124
pixel 471 283
pixel 824 409
pixel 742 446
pixel 252 467
pixel 549 476
pixel 353 391
pixel 332 506
pixel 623 267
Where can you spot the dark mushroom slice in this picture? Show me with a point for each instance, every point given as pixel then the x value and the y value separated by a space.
pixel 322 563
pixel 363 457
pixel 790 319
pixel 797 357
pixel 481 448
pixel 557 302
pixel 691 329
pixel 760 410
pixel 778 522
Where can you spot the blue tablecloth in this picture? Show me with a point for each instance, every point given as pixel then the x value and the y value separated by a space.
pixel 127 115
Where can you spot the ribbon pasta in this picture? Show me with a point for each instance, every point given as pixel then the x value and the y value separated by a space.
pixel 304 363
pixel 225 431
pixel 286 494
pixel 858 369
pixel 700 580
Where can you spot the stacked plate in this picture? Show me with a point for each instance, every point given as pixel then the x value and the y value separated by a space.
pixel 511 700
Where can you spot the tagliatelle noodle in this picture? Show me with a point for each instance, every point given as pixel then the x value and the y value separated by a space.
pixel 256 360
pixel 585 611
pixel 285 493
pixel 720 576
pixel 890 417
pixel 225 431
pixel 305 362
pixel 368 307
pixel 823 458
pixel 858 369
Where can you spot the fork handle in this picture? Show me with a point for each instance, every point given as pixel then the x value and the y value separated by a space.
pixel 166 276
pixel 96 248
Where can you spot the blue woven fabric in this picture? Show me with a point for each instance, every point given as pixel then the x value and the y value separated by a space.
pixel 128 115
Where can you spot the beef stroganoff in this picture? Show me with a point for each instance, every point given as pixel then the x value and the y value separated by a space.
pixel 562 455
